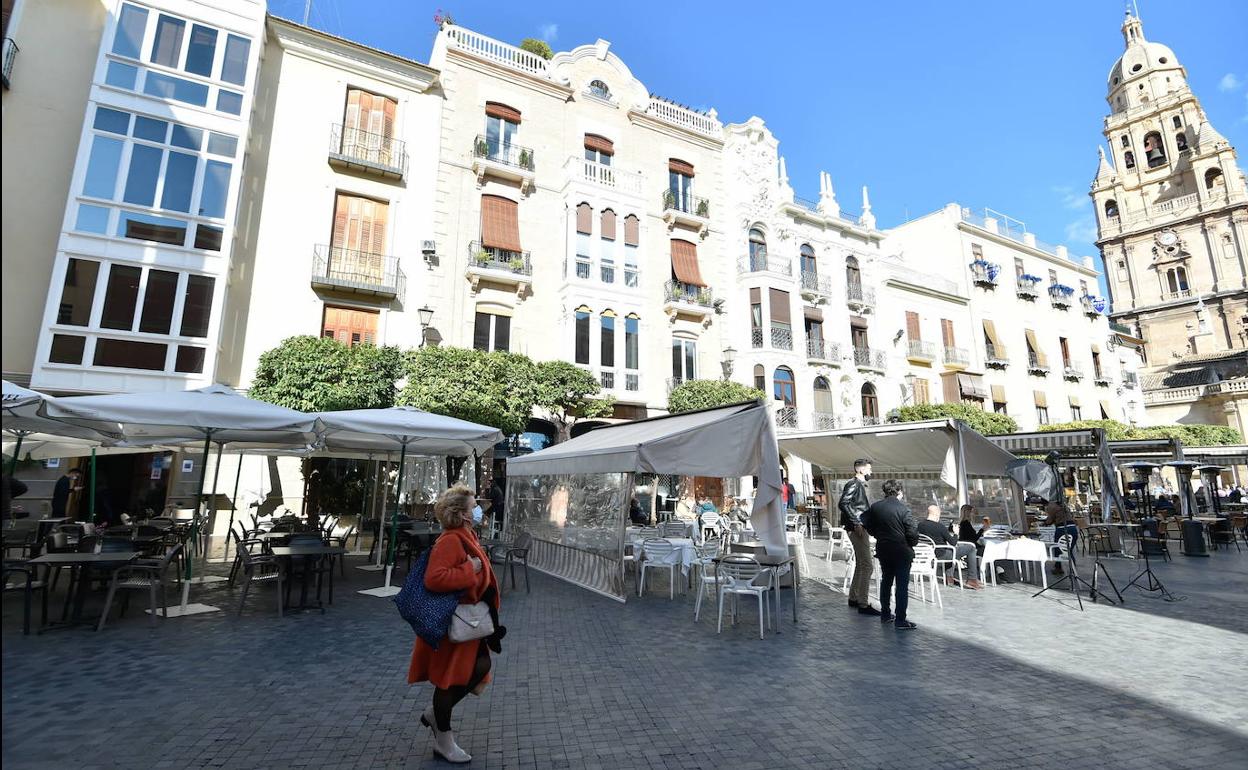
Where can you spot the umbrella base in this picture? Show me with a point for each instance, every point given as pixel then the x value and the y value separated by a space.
pixel 371 567
pixel 177 610
pixel 381 591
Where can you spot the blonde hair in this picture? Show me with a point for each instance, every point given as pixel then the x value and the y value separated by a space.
pixel 454 505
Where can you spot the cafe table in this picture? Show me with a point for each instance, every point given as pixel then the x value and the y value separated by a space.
pixel 81 564
pixel 292 552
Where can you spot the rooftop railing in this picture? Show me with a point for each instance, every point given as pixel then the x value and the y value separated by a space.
pixel 496 51
pixel 697 122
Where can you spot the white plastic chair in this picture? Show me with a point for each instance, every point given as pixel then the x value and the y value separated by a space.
pixel 946 557
pixel 675 528
pixel 837 538
pixel 704 577
pixel 710 525
pixel 923 569
pixel 1059 553
pixel 744 576
pixel 659 554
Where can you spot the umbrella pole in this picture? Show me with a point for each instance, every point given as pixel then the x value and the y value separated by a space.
pixel 17 452
pixel 216 476
pixel 199 502
pixel 394 520
pixel 238 476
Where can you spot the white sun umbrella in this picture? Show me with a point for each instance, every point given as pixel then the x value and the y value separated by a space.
pixel 404 428
pixel 22 420
pixel 215 413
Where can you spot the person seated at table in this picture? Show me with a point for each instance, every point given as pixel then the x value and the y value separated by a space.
pixel 1234 495
pixel 1164 505
pixel 707 506
pixel 985 525
pixel 966 530
pixel 635 514
pixel 1063 523
pixel 941 535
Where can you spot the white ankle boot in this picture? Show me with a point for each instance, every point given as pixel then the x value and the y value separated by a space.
pixel 444 746
pixel 426 717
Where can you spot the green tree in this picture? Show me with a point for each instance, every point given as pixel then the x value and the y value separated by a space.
pixel 318 374
pixel 1189 435
pixel 1114 430
pixel 987 423
pixel 692 395
pixel 569 393
pixel 496 389
pixel 535 46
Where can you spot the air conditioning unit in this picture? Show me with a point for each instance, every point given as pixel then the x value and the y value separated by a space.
pixel 428 247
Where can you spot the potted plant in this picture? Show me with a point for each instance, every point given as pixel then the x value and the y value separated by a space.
pixel 516 264
pixel 483 148
pixel 669 199
pixel 1028 278
pixel 482 256
pixel 526 160
pixel 704 208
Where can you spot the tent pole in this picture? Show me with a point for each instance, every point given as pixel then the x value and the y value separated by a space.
pixel 17 452
pixel 394 521
pixel 238 476
pixel 199 503
pixel 962 480
pixel 216 476
pixel 91 490
pixel 381 512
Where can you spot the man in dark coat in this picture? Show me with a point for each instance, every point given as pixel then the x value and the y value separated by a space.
pixel 65 486
pixel 890 523
pixel 852 505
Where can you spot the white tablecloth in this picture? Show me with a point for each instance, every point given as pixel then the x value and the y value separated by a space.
pixel 684 554
pixel 1016 549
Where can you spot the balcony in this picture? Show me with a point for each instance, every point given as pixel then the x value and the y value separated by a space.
pixel 367 152
pixel 1036 366
pixel 984 273
pixel 815 286
pixel 498 266
pixel 786 418
pixel 957 358
pixel 581 170
pixel 1072 372
pixel 10 55
pixel 1027 287
pixel 705 123
pixel 870 358
pixel 1093 305
pixel 871 419
pixel 1179 294
pixel 823 352
pixel 1061 296
pixel 509 162
pixel 756 338
pixel 920 352
pixel 765 263
pixel 1130 380
pixel 686 299
pixel 859 299
pixel 826 421
pixel 995 356
pixel 686 210
pixel 357 272
pixel 781 339
pixel 1101 380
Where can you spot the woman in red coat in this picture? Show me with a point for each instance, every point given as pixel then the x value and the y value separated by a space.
pixel 456 563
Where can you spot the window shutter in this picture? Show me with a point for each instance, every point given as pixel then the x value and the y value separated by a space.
pixel 500 110
pixel 351 121
pixel 363 225
pixel 685 263
pixel 921 395
pixel 998 394
pixel 338 239
pixel 381 213
pixel 389 110
pixel 755 296
pixel 1041 398
pixel 500 223
pixel 632 230
pixel 678 166
pixel 608 224
pixel 600 144
pixel 779 306
pixel 584 218
pixel 946 332
pixel 912 326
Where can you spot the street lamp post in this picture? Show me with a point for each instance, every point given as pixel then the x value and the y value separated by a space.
pixel 726 363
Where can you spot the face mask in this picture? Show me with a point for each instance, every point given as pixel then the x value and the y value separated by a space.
pixel 866 477
pixel 477 514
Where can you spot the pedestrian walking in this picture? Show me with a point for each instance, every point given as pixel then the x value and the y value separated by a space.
pixel 457 562
pixel 852 505
pixel 890 523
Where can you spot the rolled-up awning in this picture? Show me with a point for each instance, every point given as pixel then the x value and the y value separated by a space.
pixel 1074 400
pixel 685 263
pixel 998 394
pixel 1041 399
pixel 500 110
pixel 679 166
pixel 500 223
pixel 972 385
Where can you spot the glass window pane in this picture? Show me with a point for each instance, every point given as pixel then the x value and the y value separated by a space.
pixel 215 188
pixel 121 75
pixel 189 360
pixel 178 89
pixel 129 354
pixel 676 359
pixel 606 350
pixel 208 237
pixel 112 121
pixel 77 293
pixel 197 306
pixel 691 371
pixel 120 297
pixel 185 136
pixel 150 129
pixel 582 338
pixel 223 144
pixel 234 67
pixel 229 101
pixel 128 39
pixel 145 227
pixel 502 332
pixel 101 181
pixel 630 343
pixel 481 332
pixel 179 182
pixel 167 49
pixel 162 288
pixel 67 349
pixel 201 50
pixel 144 171
pixel 92 219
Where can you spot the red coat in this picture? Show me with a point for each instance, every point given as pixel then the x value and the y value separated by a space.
pixel 449 570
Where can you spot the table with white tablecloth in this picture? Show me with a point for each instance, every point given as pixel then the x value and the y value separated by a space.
pixel 683 554
pixel 1019 550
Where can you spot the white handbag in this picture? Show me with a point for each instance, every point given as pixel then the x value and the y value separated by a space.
pixel 471 621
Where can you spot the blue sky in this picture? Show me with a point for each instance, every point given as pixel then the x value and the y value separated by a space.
pixel 994 103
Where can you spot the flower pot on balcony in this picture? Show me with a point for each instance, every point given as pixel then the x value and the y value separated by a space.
pixel 483 148
pixel 516 265
pixel 482 257
pixel 704 208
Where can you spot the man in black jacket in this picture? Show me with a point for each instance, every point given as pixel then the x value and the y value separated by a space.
pixel 852 505
pixel 890 523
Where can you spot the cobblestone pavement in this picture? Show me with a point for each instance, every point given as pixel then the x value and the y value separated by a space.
pixel 994 679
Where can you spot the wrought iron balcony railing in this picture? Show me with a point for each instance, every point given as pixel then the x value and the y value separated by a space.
pixel 786 418
pixel 920 350
pixel 984 273
pixel 857 296
pixel 781 338
pixel 505 153
pixel 955 356
pixel 375 153
pixel 815 284
pixel 352 270
pixel 1130 380
pixel 686 204
pixel 826 421
pixel 1035 365
pixel 822 350
pixel 756 338
pixel 490 258
pixel 995 356
pixel 765 263
pixel 872 419
pixel 1060 296
pixel 1092 305
pixel 688 294
pixel 1027 287
pixel 870 358
pixel 1072 372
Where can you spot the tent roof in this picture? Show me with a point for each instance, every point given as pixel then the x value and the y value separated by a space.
pixel 388 430
pixel 21 416
pixel 1069 443
pixel 1232 454
pixel 713 442
pixel 901 447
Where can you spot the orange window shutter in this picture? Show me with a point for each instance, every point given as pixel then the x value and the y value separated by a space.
pixel 351 120
pixel 632 230
pixel 338 239
pixel 608 225
pixel 365 224
pixel 381 214
pixel 584 218
pixel 368 323
pixel 912 325
pixel 387 123
pixel 946 332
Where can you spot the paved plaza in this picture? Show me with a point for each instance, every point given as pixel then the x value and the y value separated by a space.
pixel 994 679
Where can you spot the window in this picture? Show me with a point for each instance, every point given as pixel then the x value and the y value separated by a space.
pixel 1180 141
pixel 1213 178
pixel 350 326
pixel 358 239
pixel 853 277
pixel 197 305
pixel 756 317
pixel 67 349
pixel 599 89
pixel 78 293
pixel 913 330
pixel 584 229
pixel 858 336
pixel 781 319
pixel 1096 362
pixel 167 48
pixel 1178 121
pixel 870 404
pixel 606 258
pixel 158 299
pixel 1065 351
pixel 807 254
pixel 130 354
pixel 684 359
pixel 998 399
pixel 598 149
pixel 1083 288
pixel 1019 270
pixel 632 325
pixel 1154 149
pixel 823 396
pixel 500 228
pixel 977 251
pixel 921 393
pixel 121 293
pixel 581 331
pixel 785 387
pixel 758 250
pixel 1052 277
pixel 1042 415
pixel 1126 140
pixel 234 63
pixel 201 50
pixel 1176 279
pixel 1076 413
pixel 1122 269
pixel 1111 208
pixel 491 331
pixel 131 25
pixel 1128 159
pixel 632 239
pixel 606 341
pixel 368 126
pixel 680 186
pixel 760 378
pixel 501 124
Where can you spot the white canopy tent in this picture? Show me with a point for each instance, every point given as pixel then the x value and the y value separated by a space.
pixel 949 448
pixel 730 441
pixel 1085 447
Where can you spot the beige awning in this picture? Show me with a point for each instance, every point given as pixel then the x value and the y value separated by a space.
pixel 1105 411
pixel 990 329
pixel 1074 400
pixel 1041 358
pixel 685 263
pixel 998 394
pixel 1041 399
pixel 972 385
pixel 500 223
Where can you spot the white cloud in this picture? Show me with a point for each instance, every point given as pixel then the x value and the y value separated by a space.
pixel 548 32
pixel 1230 82
pixel 1070 197
pixel 1082 230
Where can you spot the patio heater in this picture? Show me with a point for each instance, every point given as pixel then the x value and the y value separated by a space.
pixel 1193 531
pixel 1210 474
pixel 1143 500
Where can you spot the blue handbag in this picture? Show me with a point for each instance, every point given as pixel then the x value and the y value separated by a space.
pixel 428 612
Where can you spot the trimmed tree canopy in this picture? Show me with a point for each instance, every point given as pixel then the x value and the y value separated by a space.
pixel 496 389
pixel 691 395
pixel 568 393
pixel 986 423
pixel 1189 435
pixel 318 374
pixel 539 47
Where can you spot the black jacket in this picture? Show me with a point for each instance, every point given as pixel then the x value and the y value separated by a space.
pixel 938 532
pixel 890 523
pixel 853 503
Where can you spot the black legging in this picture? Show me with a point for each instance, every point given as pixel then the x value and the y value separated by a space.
pixel 445 700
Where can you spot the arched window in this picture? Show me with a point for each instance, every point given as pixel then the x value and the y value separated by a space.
pixel 599 89
pixel 632 331
pixel 581 325
pixel 1180 141
pixel 760 377
pixel 1111 208
pixel 823 396
pixel 606 344
pixel 1128 159
pixel 1213 178
pixel 599 149
pixel 584 218
pixel 1154 149
pixel 785 387
pixel 809 266
pixel 758 250
pixel 853 276
pixel 870 405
